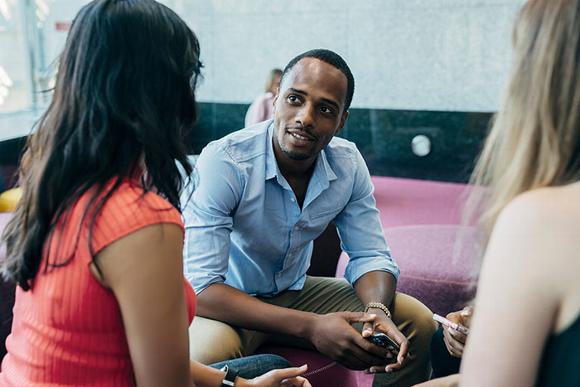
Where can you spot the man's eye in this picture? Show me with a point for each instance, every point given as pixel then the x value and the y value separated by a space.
pixel 326 110
pixel 293 99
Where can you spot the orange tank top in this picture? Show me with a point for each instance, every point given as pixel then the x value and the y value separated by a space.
pixel 68 330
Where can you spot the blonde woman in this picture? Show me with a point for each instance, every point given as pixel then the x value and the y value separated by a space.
pixel 526 327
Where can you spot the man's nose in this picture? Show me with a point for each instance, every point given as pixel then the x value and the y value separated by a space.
pixel 306 115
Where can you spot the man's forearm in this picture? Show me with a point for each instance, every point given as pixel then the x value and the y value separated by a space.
pixel 376 286
pixel 224 303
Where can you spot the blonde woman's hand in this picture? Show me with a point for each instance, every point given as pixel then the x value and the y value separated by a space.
pixel 455 340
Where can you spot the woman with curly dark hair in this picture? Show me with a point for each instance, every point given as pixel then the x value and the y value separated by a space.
pixel 95 245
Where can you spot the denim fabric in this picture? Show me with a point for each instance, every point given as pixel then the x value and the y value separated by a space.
pixel 253 366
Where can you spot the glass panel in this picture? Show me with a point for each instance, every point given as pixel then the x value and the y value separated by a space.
pixel 15 75
pixel 32 35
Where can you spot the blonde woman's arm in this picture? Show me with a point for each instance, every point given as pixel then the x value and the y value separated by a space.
pixel 519 294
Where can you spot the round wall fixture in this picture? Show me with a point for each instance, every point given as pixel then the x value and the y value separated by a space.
pixel 421 145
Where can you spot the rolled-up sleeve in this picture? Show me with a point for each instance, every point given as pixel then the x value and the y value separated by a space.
pixel 360 229
pixel 207 216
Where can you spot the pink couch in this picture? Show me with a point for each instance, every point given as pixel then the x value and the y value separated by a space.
pixel 437 256
pixel 420 220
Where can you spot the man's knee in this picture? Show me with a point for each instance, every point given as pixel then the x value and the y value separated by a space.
pixel 212 341
pixel 416 320
pixel 424 325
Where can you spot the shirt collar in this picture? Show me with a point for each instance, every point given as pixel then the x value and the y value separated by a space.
pixel 271 164
pixel 322 164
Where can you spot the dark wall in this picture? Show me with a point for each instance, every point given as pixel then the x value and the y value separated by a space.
pixel 10 151
pixel 383 136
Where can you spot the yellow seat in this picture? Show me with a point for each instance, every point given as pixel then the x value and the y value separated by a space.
pixel 9 199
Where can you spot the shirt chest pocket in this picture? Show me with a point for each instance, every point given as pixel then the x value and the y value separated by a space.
pixel 325 212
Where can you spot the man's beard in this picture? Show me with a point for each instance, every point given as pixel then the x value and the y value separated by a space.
pixel 294 155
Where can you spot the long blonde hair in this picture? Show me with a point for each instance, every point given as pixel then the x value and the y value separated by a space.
pixel 535 138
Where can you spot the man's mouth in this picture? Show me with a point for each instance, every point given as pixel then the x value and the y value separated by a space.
pixel 301 135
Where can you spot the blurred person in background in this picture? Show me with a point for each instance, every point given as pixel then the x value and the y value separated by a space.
pixel 95 244
pixel 262 108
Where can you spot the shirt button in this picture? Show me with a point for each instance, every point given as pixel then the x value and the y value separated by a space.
pixel 292 199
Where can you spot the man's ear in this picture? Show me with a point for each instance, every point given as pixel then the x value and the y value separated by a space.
pixel 342 122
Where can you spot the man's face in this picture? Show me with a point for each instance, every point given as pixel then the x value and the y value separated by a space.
pixel 309 109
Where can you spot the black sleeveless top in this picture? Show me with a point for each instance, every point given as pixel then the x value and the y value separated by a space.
pixel 560 365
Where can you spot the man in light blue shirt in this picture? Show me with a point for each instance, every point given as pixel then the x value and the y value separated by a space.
pixel 263 194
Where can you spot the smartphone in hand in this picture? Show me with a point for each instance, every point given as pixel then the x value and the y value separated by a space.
pixel 384 341
pixel 450 324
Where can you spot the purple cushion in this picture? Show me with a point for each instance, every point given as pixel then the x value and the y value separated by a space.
pixel 401 202
pixel 404 202
pixel 322 371
pixel 438 264
pixel 425 249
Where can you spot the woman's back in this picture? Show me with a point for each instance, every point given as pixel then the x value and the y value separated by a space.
pixel 529 294
pixel 561 354
pixel 68 330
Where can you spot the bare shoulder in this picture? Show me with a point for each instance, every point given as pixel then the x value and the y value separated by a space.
pixel 549 220
pixel 539 229
pixel 538 236
pixel 153 251
pixel 550 210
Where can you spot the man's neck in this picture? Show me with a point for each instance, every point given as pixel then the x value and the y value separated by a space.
pixel 293 169
pixel 296 169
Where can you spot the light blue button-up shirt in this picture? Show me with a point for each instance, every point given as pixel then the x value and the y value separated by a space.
pixel 244 227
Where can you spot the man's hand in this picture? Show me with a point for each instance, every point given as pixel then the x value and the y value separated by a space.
pixel 333 335
pixel 455 340
pixel 383 324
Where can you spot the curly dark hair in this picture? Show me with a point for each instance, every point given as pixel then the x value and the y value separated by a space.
pixel 333 59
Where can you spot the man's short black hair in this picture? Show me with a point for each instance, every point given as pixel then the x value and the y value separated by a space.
pixel 333 59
